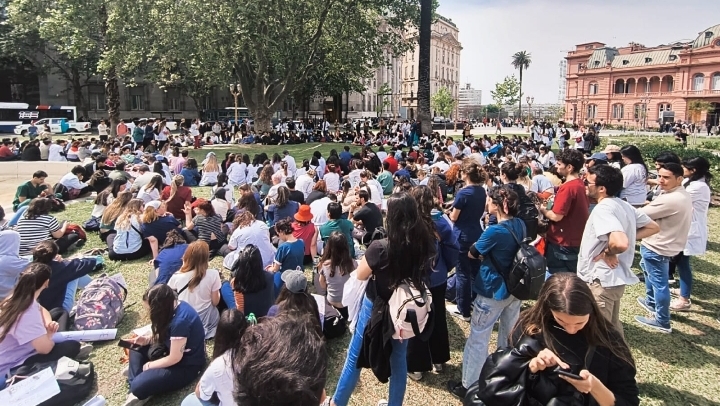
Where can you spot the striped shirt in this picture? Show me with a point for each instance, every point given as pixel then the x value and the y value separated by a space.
pixel 36 230
pixel 206 226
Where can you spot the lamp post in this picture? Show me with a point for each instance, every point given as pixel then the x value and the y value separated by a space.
pixel 645 103
pixel 236 91
pixel 530 100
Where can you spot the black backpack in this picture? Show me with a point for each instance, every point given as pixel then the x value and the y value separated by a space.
pixel 527 272
pixel 527 211
pixel 73 389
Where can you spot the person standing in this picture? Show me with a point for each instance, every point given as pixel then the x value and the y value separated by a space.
pixel 103 131
pixel 291 164
pixel 569 210
pixel 670 211
pixel 608 241
pixel 122 129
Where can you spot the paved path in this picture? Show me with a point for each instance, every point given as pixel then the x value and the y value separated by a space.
pixel 14 173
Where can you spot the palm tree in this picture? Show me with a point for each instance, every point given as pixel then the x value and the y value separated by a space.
pixel 423 94
pixel 521 60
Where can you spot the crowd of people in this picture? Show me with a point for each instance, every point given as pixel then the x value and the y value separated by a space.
pixel 404 210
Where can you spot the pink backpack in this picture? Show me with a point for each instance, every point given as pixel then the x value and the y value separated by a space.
pixel 100 305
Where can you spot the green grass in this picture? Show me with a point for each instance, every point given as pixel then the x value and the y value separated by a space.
pixel 681 368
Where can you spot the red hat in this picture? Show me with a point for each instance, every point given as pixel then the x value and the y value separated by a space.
pixel 198 202
pixel 304 215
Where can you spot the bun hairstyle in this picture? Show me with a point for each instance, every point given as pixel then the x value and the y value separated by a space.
pixel 505 198
pixel 512 170
pixel 473 171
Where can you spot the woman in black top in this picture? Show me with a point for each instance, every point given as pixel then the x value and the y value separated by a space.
pixel 562 333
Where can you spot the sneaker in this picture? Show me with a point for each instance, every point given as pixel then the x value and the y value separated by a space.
pixel 438 367
pixel 643 302
pixel 415 376
pixel 654 324
pixel 680 305
pixel 672 281
pixel 456 389
pixel 382 402
pixel 675 292
pixel 453 310
pixel 132 400
pixel 85 351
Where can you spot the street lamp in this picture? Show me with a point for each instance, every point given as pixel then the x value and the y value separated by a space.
pixel 645 103
pixel 530 101
pixel 236 91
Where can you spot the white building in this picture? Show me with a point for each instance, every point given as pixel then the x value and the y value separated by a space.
pixel 468 100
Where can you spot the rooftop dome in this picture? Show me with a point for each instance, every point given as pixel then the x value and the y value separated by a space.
pixel 707 37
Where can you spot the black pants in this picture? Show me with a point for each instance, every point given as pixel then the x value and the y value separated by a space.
pixel 143 251
pixel 68 349
pixel 65 242
pixel 62 318
pixel 422 354
pixel 106 234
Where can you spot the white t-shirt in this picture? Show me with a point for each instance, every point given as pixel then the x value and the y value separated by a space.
pixel 148 195
pixel 305 185
pixel 377 192
pixel 354 177
pixel 218 378
pixel 332 182
pixel 634 181
pixel 256 234
pixel 237 173
pixel 292 166
pixel 54 153
pixel 611 214
pixel 318 208
pixel 200 298
pixel 102 129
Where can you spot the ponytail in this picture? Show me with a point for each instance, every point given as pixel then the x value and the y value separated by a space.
pixel 177 181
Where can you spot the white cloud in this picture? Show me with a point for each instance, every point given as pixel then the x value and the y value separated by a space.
pixel 492 32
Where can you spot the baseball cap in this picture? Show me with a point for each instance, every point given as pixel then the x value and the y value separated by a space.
pixel 295 280
pixel 597 156
pixel 154 204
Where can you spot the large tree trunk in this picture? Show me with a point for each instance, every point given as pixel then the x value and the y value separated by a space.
pixel 423 94
pixel 112 94
pixel 78 96
pixel 263 119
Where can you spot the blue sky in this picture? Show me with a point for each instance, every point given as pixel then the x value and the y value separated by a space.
pixel 491 31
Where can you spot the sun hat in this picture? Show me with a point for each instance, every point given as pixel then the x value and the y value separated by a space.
pixel 611 148
pixel 154 204
pixel 304 215
pixel 295 280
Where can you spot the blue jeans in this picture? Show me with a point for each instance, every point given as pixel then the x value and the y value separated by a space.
pixel 657 292
pixel 465 272
pixel 351 374
pixel 72 288
pixel 17 215
pixel 486 312
pixel 686 278
pixel 227 295
pixel 192 400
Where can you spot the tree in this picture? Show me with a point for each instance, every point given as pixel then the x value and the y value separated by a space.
pixel 423 94
pixel 506 92
pixel 443 103
pixel 384 91
pixel 521 60
pixel 697 107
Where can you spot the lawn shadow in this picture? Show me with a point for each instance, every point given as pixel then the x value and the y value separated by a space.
pixel 657 345
pixel 671 396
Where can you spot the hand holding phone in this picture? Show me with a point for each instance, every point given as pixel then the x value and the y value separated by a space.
pixel 568 373
pixel 129 345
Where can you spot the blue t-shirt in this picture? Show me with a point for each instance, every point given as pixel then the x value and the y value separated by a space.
pixel 192 176
pixel 159 228
pixel 497 242
pixel 286 211
pixel 471 203
pixel 169 261
pixel 186 324
pixel 290 255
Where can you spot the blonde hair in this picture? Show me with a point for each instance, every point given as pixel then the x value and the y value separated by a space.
pixel 133 208
pixel 150 214
pixel 177 181
pixel 196 258
pixel 113 211
pixel 211 165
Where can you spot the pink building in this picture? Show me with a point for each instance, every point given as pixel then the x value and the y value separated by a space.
pixel 641 87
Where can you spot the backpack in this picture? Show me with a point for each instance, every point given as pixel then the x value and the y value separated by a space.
pixel 75 379
pixel 596 139
pixel 527 211
pixel 566 134
pixel 100 305
pixel 527 272
pixel 411 311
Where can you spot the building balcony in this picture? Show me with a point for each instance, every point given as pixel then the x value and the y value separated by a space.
pixel 675 93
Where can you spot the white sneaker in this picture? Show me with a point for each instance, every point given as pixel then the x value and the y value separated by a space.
pixel 453 310
pixel 415 376
pixel 132 400
pixel 84 353
pixel 382 402
pixel 126 370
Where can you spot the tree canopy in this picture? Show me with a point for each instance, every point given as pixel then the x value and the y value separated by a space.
pixel 506 92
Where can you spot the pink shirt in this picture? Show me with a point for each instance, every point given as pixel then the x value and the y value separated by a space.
pixel 17 345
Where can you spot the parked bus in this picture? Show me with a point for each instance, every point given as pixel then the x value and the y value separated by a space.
pixel 14 114
pixel 228 113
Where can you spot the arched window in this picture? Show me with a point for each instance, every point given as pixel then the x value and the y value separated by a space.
pixel 698 82
pixel 618 111
pixel 593 88
pixel 716 81
pixel 591 111
pixel 619 86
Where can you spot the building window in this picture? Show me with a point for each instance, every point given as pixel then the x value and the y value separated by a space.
pixel 374 83
pixel 698 82
pixel 593 88
pixel 716 81
pixel 639 111
pixel 618 111
pixel 443 60
pixel 591 111
pixel 664 107
pixel 96 96
pixel 619 86
pixel 412 71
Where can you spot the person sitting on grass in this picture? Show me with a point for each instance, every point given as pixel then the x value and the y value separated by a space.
pixel 338 224
pixel 207 225
pixel 73 182
pixel 334 270
pixel 156 222
pixel 305 230
pixel 11 263
pixel 177 354
pixel 251 289
pixel 169 259
pixel 294 297
pixel 128 243
pixel 112 213
pixel 35 187
pixel 216 384
pixel 290 252
pixel 175 196
pixel 190 173
pixel 37 225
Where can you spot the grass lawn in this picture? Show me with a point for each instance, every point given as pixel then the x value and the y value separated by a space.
pixel 681 368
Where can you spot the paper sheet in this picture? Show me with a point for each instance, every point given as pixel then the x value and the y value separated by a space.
pixel 31 391
pixel 320 300
pixel 144 330
pixel 86 335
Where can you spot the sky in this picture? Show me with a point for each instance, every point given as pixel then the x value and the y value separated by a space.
pixel 491 31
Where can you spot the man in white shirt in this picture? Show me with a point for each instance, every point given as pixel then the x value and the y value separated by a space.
pixel 292 166
pixel 608 242
pixel 56 152
pixel 76 187
pixel 451 146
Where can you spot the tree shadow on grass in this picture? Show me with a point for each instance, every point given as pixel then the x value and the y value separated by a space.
pixel 672 396
pixel 659 346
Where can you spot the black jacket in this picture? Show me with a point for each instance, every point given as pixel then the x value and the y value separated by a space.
pixel 506 380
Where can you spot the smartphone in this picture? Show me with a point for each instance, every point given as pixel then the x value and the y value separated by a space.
pixel 129 345
pixel 567 373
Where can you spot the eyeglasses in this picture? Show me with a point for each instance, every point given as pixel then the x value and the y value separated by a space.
pixel 587 183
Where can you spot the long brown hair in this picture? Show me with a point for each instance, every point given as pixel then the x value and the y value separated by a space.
pixel 133 208
pixel 566 293
pixel 116 208
pixel 161 300
pixel 196 258
pixel 22 296
pixel 336 255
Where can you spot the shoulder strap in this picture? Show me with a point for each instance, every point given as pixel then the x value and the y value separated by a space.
pixel 589 356
pixel 183 289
